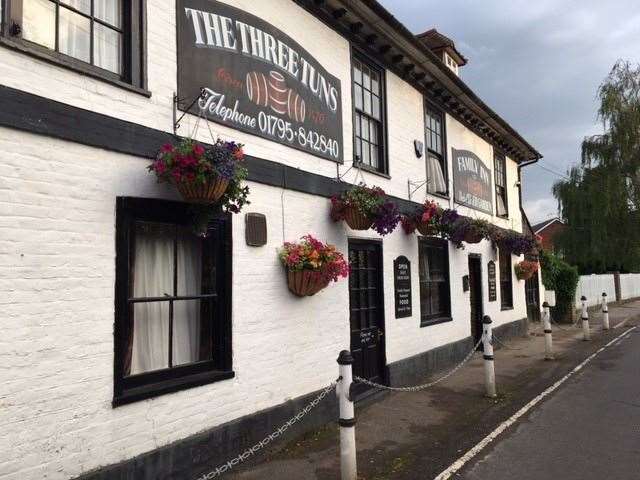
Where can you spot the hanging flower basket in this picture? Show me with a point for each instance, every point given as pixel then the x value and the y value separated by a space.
pixel 204 174
pixel 363 208
pixel 305 283
pixel 356 219
pixel 526 269
pixel 311 265
pixel 427 229
pixel 210 191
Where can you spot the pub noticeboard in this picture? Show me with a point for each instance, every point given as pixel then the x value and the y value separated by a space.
pixel 472 184
pixel 402 286
pixel 256 79
pixel 493 292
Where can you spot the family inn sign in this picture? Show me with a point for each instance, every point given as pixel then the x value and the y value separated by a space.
pixel 471 181
pixel 257 79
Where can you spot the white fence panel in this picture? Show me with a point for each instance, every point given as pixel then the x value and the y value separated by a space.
pixel 630 285
pixel 592 286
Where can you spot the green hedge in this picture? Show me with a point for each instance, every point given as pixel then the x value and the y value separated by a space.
pixel 558 275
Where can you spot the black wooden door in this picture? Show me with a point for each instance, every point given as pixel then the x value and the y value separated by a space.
pixel 475 296
pixel 366 309
pixel 532 294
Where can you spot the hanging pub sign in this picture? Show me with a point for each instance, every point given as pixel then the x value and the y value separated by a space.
pixel 472 185
pixel 493 288
pixel 402 286
pixel 256 79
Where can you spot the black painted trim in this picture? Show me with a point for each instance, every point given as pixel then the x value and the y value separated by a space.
pixel 488 357
pixel 347 422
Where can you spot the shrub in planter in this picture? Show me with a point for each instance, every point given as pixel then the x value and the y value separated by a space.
pixel 558 275
pixel 204 174
pixel 362 208
pixel 525 269
pixel 311 265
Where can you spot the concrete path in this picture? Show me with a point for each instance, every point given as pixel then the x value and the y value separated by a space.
pixel 588 430
pixel 413 436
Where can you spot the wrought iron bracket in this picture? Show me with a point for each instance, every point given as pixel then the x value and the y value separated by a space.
pixel 413 187
pixel 177 101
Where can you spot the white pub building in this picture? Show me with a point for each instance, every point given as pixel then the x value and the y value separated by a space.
pixel 131 347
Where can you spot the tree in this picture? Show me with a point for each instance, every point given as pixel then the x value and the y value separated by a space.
pixel 600 199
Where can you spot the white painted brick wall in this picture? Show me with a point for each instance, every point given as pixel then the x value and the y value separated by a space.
pixel 57 266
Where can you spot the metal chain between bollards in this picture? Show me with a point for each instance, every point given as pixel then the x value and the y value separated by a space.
pixel 418 388
pixel 226 467
pixel 495 338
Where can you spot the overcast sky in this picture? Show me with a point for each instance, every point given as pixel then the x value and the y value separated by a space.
pixel 538 64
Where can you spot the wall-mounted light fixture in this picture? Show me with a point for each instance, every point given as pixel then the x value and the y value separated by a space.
pixel 419 148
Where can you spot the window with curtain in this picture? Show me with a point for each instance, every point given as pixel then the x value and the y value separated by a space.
pixel 172 320
pixel 433 270
pixel 499 163
pixel 368 105
pixel 101 35
pixel 436 148
pixel 506 287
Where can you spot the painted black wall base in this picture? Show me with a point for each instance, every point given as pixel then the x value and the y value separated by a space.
pixel 414 370
pixel 201 453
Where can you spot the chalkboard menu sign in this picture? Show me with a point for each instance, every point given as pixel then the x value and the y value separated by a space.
pixel 257 79
pixel 402 286
pixel 491 269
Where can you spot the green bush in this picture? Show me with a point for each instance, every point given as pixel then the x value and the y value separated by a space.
pixel 558 275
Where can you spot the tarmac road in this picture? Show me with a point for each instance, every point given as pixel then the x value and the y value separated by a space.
pixel 589 429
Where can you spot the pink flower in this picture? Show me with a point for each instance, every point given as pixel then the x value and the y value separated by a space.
pixel 166 148
pixel 198 149
pixel 159 166
pixel 177 175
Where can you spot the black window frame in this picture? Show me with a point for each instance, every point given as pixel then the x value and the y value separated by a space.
pixel 441 156
pixel 383 158
pixel 128 389
pixel 505 263
pixel 133 76
pixel 500 181
pixel 442 246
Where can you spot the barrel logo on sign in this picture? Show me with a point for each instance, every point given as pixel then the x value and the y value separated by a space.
pixel 275 94
pixel 255 78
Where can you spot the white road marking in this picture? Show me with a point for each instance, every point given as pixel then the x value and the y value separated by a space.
pixel 458 464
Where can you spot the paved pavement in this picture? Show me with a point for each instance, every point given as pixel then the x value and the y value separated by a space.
pixel 409 436
pixel 588 430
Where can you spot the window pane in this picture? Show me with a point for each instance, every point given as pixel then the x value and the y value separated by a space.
pixel 365 154
pixel 374 156
pixel 366 81
pixel 367 103
pixel 365 128
pixel 357 73
pixel 373 132
pixel 359 150
pixel 106 48
pixel 74 35
pixel 150 343
pixel 82 5
pixel 187 331
pixel 358 126
pixel 39 22
pixel 375 83
pixel 153 260
pixel 357 92
pixel 108 11
pixel 189 263
pixel 376 107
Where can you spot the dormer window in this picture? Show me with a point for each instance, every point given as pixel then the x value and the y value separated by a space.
pixel 451 63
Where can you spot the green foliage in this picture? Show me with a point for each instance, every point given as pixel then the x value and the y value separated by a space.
pixel 600 199
pixel 558 275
